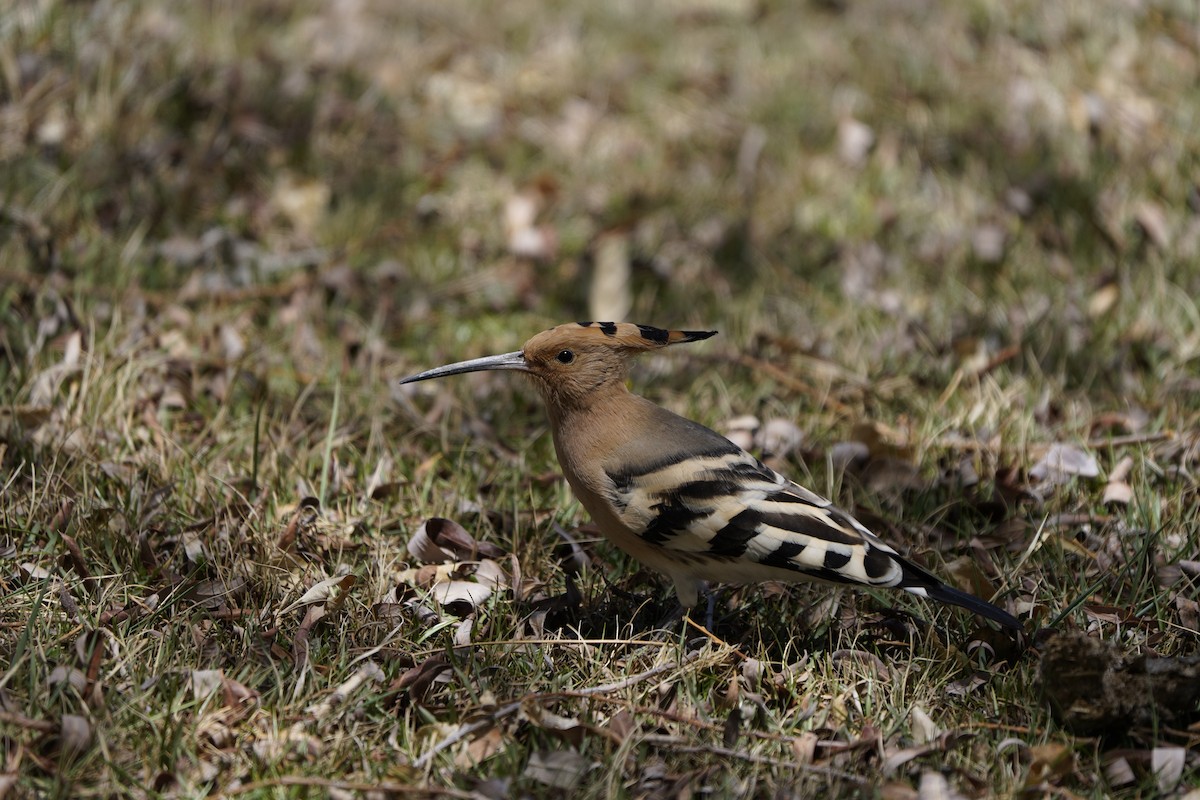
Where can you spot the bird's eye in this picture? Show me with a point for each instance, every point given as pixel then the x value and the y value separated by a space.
pixel 565 357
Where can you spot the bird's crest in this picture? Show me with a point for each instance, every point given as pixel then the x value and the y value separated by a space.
pixel 635 337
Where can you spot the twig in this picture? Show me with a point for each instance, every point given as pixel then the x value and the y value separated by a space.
pixel 780 376
pixel 349 786
pixel 471 728
pixel 518 642
pixel 22 721
pixel 862 657
pixel 675 743
pixel 713 637
pixel 625 683
pixel 468 729
pixel 1131 439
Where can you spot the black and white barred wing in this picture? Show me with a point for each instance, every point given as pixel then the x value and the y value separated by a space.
pixel 726 516
pixel 732 508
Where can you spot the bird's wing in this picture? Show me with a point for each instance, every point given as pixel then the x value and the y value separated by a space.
pixel 730 506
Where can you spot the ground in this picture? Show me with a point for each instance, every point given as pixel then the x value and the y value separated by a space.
pixel 953 253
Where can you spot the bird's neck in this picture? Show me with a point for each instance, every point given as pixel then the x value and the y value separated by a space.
pixel 586 433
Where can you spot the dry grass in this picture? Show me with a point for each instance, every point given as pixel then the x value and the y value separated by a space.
pixel 959 233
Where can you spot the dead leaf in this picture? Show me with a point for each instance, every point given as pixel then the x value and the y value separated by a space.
pixel 1117 491
pixel 1168 763
pixel 965 686
pixel 1063 462
pixel 213 594
pixel 301 202
pixel 897 758
pixel 621 726
pixel 924 729
pixel 855 140
pixel 780 438
pixel 559 769
pixel 881 440
pixel 74 736
pixel 304 515
pixel 1047 762
pixel 804 747
pixel 989 242
pixel 419 679
pixel 610 296
pixel 1153 222
pixel 489 573
pixel 934 786
pixel 32 572
pixel 742 431
pixel 439 539
pixel 897 790
pixel 463 633
pixel 1118 772
pixel 368 672
pixel 1189 612
pixel 300 642
pixel 571 556
pixel 461 597
pixel 205 682
pixel 331 590
pixel 849 455
pixel 525 238
pixel 482 748
pixel 1103 300
pixel 885 475
pixel 568 729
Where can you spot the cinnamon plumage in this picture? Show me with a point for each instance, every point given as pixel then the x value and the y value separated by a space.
pixel 682 498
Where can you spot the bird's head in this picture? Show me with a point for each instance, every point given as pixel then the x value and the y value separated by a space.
pixel 572 363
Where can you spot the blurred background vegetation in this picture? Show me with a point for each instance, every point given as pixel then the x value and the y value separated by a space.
pixel 226 228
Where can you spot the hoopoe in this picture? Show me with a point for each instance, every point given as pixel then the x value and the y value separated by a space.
pixel 682 498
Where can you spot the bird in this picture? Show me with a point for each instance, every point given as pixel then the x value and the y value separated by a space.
pixel 680 497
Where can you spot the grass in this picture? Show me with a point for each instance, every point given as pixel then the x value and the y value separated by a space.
pixel 229 229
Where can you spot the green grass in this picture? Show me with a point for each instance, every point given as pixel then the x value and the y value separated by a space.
pixel 226 231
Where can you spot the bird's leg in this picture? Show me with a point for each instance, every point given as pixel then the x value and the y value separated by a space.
pixel 710 595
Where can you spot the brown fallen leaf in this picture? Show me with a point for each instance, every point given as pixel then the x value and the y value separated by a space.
pixel 1047 763
pixel 419 680
pixel 439 539
pixel 621 726
pixel 1189 612
pixel 300 641
pixel 302 517
pixel 882 441
pixel 481 748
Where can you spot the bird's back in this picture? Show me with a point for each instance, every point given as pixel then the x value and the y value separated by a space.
pixel 692 504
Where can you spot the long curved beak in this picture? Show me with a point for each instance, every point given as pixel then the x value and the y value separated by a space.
pixel 507 361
